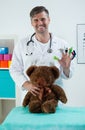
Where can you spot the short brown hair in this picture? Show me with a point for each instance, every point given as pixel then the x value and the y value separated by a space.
pixel 38 9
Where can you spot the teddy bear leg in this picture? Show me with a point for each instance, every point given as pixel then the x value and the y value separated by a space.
pixel 26 99
pixel 49 106
pixel 35 106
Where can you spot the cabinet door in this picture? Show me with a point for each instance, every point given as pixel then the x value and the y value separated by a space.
pixel 7 85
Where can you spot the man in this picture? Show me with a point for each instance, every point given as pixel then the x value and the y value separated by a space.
pixel 40 50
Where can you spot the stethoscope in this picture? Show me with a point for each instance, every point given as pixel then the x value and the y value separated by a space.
pixel 31 43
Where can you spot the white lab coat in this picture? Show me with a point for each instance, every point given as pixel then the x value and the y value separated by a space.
pixel 21 61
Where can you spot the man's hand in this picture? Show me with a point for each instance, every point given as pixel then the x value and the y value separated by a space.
pixel 31 88
pixel 65 62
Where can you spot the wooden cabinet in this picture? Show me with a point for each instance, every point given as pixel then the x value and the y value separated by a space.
pixel 7 85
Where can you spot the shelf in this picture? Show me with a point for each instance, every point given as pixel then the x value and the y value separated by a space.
pixel 7 98
pixel 4 68
pixel 7 86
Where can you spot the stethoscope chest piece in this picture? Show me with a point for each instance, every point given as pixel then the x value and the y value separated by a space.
pixel 49 50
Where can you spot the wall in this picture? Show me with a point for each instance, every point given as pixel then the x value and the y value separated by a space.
pixel 65 14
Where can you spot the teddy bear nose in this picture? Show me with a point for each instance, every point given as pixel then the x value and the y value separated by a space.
pixel 41 81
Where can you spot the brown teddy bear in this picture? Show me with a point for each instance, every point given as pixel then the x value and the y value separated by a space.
pixel 50 94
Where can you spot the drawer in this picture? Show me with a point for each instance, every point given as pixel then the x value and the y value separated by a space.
pixel 7 88
pixel 7 85
pixel 4 73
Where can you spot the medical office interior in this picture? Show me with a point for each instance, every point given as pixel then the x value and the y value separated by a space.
pixel 15 24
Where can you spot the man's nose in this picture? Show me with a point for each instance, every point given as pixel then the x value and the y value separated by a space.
pixel 40 22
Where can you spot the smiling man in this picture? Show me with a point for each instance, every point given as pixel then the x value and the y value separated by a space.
pixel 39 49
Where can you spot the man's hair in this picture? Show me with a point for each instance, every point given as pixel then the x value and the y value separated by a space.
pixel 38 9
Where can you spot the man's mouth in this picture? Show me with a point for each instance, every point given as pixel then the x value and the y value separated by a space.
pixel 41 27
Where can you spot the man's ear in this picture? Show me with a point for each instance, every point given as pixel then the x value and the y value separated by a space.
pixel 55 71
pixel 30 70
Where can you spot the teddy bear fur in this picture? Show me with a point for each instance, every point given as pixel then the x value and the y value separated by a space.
pixel 47 99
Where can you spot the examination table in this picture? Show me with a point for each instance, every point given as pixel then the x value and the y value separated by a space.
pixel 65 118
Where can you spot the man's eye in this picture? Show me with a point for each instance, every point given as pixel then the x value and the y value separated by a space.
pixel 36 20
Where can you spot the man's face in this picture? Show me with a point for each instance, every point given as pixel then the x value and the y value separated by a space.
pixel 40 22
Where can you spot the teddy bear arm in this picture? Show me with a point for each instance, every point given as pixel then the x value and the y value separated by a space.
pixel 26 99
pixel 59 92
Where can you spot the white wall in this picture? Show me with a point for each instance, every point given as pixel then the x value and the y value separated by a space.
pixel 65 14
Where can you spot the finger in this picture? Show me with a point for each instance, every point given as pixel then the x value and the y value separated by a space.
pixel 66 50
pixel 36 90
pixel 64 55
pixel 33 93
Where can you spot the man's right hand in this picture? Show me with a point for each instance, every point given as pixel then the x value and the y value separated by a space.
pixel 31 88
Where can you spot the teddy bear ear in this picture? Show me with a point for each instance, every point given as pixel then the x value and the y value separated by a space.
pixel 30 70
pixel 55 71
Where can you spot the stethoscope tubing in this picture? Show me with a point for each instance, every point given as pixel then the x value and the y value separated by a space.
pixel 31 40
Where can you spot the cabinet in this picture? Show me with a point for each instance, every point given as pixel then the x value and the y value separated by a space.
pixel 7 85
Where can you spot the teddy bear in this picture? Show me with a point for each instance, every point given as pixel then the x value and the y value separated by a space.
pixel 49 95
